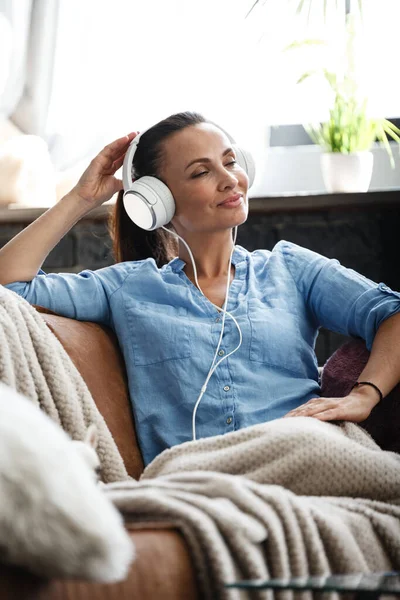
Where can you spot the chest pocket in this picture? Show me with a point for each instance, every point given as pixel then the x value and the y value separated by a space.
pixel 275 337
pixel 158 332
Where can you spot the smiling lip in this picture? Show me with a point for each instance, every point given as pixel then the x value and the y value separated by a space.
pixel 232 201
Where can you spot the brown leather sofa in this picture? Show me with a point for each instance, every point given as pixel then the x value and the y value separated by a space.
pixel 163 568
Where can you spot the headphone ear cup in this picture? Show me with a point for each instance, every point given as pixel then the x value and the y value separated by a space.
pixel 149 203
pixel 246 161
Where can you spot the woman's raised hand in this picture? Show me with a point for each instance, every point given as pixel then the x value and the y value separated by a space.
pixel 98 183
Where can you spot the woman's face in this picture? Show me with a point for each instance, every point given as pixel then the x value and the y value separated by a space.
pixel 199 167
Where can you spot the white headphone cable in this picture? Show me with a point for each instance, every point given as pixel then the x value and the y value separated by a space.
pixel 224 311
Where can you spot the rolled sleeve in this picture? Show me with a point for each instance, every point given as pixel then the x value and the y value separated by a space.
pixel 83 296
pixel 340 299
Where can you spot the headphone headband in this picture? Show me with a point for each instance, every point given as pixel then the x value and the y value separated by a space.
pixel 128 160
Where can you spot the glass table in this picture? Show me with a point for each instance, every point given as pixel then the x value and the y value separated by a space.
pixel 367 586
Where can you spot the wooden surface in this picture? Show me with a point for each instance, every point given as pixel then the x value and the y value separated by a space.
pixel 266 205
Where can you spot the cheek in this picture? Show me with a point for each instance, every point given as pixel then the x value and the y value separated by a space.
pixel 243 179
pixel 193 198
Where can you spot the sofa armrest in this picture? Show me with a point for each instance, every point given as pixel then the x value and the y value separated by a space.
pixel 163 569
pixel 95 352
pixel 341 371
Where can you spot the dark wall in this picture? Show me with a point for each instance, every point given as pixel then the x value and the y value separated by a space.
pixel 364 240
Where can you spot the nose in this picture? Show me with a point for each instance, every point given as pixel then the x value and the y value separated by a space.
pixel 227 179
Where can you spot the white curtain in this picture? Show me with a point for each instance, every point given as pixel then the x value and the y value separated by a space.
pixel 14 34
pixel 82 72
pixel 30 114
pixel 31 31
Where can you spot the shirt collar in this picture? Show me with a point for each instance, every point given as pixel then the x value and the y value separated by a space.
pixel 238 256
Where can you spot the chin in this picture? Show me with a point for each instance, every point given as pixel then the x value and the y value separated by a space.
pixel 239 222
pixel 241 216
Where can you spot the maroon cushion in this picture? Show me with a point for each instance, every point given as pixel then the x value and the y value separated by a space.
pixel 341 371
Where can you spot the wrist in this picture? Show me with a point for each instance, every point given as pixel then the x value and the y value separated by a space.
pixel 367 390
pixel 79 205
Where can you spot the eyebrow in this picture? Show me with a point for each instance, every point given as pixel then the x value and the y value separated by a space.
pixel 207 160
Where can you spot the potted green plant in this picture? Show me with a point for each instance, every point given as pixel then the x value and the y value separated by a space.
pixel 349 133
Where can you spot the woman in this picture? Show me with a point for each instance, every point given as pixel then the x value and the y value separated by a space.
pixel 168 330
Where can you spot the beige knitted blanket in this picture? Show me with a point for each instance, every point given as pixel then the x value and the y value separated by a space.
pixel 34 362
pixel 290 497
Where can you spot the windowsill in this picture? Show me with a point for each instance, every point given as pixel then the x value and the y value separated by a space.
pixel 282 170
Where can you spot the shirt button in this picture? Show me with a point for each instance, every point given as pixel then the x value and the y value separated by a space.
pixel 229 420
pixel 226 388
pixel 217 320
pixel 221 352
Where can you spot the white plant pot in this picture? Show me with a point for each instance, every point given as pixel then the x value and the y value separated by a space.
pixel 347 172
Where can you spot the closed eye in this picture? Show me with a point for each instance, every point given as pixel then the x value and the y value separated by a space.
pixel 233 162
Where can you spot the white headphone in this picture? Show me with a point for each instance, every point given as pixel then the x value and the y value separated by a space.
pixel 149 202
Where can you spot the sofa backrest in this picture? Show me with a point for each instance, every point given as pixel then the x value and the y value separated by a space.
pixel 95 352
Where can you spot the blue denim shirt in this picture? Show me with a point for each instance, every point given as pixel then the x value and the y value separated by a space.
pixel 168 333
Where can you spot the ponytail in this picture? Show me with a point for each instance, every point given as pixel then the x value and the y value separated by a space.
pixel 131 242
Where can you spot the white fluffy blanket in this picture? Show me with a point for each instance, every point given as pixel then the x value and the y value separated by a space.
pixel 290 497
pixel 33 362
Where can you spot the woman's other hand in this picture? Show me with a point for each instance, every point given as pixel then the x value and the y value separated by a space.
pixel 355 407
pixel 98 183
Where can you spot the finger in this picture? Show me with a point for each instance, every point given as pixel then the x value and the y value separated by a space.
pixel 314 401
pixel 132 135
pixel 109 168
pixel 119 160
pixel 118 184
pixel 117 147
pixel 115 153
pixel 329 415
pixel 307 405
pixel 117 164
pixel 124 140
pixel 295 413
pixel 105 162
pixel 309 410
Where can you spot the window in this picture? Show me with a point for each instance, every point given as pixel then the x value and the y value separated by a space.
pixel 276 26
pixel 123 65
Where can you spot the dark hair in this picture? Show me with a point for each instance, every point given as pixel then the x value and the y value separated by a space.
pixel 131 242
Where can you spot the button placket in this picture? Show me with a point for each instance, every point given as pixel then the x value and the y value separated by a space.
pixel 229 339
